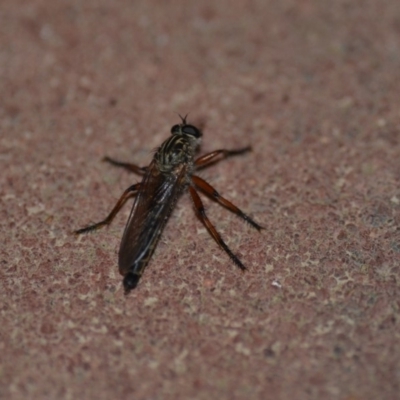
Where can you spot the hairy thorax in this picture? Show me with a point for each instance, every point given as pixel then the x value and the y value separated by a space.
pixel 175 153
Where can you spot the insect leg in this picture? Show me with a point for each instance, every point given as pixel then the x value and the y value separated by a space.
pixel 198 204
pixel 122 200
pixel 210 191
pixel 211 158
pixel 130 167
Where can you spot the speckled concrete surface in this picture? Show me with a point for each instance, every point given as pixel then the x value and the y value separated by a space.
pixel 314 87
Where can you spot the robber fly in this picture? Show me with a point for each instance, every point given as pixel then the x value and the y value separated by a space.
pixel 170 173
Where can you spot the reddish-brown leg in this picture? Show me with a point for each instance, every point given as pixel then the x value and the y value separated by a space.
pixel 198 204
pixel 132 190
pixel 210 191
pixel 130 167
pixel 211 158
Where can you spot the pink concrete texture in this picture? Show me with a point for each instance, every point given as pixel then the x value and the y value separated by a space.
pixel 314 87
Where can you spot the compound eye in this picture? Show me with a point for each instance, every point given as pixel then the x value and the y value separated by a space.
pixel 175 129
pixel 191 130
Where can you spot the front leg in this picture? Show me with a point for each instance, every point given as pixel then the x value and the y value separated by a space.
pixel 211 158
pixel 130 167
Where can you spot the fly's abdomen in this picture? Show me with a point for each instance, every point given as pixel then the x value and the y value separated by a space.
pixel 145 225
pixel 133 271
pixel 134 257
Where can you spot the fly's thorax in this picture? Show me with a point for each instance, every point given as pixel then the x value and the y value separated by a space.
pixel 175 151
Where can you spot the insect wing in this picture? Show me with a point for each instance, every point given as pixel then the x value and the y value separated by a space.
pixel 153 205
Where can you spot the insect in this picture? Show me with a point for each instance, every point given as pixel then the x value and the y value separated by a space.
pixel 170 173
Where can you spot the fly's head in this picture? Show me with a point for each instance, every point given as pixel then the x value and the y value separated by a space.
pixel 180 147
pixel 190 132
pixel 187 132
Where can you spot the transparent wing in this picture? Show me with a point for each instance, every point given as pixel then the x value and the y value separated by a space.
pixel 157 197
